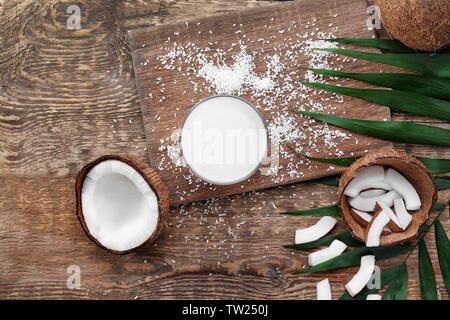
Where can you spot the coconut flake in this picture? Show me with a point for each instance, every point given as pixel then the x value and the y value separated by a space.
pixel 399 183
pixel 385 207
pixel 318 230
pixel 335 249
pixel 323 290
pixel 376 228
pixel 372 193
pixel 373 296
pixel 365 178
pixel 362 277
pixel 404 218
pixel 368 204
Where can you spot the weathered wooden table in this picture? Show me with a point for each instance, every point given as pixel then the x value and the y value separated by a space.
pixel 69 96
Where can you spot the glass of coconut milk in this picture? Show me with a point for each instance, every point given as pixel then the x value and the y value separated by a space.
pixel 223 139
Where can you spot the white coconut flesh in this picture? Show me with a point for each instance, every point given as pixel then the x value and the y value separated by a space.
pixel 368 204
pixel 316 231
pixel 376 228
pixel 362 277
pixel 404 218
pixel 366 178
pixel 323 290
pixel 372 193
pixel 119 207
pixel 373 296
pixel 335 249
pixel 364 215
pixel 386 208
pixel 404 187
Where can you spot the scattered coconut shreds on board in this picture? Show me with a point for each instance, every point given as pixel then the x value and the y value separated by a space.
pixel 323 290
pixel 235 69
pixel 316 231
pixel 362 277
pixel 336 248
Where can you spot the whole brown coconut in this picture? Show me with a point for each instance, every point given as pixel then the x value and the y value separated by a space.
pixel 419 24
pixel 412 169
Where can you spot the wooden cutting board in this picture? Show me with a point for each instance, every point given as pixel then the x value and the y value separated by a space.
pixel 169 61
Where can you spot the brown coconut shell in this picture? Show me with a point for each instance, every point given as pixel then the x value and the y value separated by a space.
pixel 149 175
pixel 413 170
pixel 419 24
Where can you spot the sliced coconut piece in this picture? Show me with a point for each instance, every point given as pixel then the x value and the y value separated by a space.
pixel 399 183
pixel 373 296
pixel 402 214
pixel 375 229
pixel 323 290
pixel 381 185
pixel 321 228
pixel 365 178
pixel 393 224
pixel 372 193
pixel 368 204
pixel 362 277
pixel 362 217
pixel 335 249
pixel 117 206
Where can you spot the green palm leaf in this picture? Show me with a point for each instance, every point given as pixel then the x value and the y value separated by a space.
pixel 426 273
pixel 385 44
pixel 344 162
pixel 443 249
pixel 388 130
pixel 437 65
pixel 322 211
pixel 398 287
pixel 435 166
pixel 400 100
pixel 433 87
pixel 329 181
pixel 442 183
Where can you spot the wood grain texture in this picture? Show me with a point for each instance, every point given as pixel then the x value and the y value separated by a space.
pixel 60 92
pixel 167 93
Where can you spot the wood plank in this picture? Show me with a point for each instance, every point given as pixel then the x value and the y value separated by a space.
pixel 169 89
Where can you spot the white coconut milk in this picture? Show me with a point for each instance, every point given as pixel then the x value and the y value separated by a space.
pixel 223 139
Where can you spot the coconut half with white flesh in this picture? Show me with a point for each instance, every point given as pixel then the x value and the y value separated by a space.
pixel 121 203
pixel 412 175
